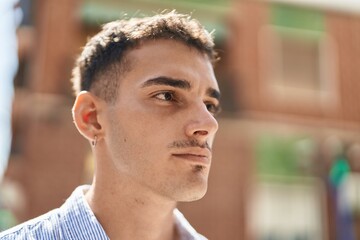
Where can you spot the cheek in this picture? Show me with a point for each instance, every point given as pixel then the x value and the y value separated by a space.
pixel 145 129
pixel 137 134
pixel 154 122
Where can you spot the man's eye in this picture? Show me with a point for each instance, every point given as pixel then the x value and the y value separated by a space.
pixel 165 96
pixel 214 109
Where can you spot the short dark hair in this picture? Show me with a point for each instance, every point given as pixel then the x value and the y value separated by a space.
pixel 104 54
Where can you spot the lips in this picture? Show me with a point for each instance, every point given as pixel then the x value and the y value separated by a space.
pixel 197 156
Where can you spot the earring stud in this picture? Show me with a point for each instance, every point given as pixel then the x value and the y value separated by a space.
pixel 94 142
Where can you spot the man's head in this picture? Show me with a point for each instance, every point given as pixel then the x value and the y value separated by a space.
pixel 149 96
pixel 103 59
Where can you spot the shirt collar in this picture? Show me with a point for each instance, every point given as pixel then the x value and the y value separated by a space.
pixel 79 220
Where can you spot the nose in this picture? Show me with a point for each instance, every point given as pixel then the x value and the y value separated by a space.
pixel 201 124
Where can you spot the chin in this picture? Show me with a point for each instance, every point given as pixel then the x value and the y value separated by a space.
pixel 198 196
pixel 188 188
pixel 193 194
pixel 193 197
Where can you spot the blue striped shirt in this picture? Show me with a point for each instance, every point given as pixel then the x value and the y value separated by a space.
pixel 74 220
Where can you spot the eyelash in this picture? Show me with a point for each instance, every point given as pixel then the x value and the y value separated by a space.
pixel 212 108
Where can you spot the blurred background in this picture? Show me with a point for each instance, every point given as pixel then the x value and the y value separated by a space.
pixel 286 160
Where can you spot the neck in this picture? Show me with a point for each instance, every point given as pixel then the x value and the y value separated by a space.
pixel 126 211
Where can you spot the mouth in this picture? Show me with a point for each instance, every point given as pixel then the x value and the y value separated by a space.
pixel 198 157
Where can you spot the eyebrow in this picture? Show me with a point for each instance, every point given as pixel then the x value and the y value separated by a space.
pixel 212 92
pixel 178 83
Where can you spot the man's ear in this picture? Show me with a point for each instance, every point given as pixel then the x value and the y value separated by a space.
pixel 85 114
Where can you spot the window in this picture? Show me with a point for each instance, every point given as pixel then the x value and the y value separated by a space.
pixel 297 58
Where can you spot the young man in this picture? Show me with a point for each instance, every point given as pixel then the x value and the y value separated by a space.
pixel 146 100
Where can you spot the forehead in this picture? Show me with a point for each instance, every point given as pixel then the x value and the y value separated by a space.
pixel 162 57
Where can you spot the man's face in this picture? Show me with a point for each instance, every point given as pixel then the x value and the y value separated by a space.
pixel 161 128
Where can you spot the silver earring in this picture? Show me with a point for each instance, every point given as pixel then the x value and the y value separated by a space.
pixel 94 142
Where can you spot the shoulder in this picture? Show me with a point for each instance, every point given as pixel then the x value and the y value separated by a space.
pixel 43 227
pixel 73 220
